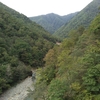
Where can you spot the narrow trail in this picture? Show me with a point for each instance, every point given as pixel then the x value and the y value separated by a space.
pixel 18 92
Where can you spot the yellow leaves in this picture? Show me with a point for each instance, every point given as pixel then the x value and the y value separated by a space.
pixel 67 43
pixel 76 86
pixel 51 57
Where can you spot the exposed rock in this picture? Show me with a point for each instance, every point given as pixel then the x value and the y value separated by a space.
pixel 18 92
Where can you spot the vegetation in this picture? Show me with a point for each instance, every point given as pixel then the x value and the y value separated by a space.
pixel 23 44
pixel 72 69
pixel 69 71
pixel 51 22
pixel 83 18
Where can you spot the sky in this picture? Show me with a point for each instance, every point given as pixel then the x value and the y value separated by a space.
pixel 32 8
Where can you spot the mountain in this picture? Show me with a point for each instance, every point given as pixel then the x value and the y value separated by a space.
pixel 72 69
pixel 83 18
pixel 51 22
pixel 23 44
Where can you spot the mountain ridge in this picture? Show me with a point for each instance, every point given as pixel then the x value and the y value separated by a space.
pixel 83 18
pixel 51 22
pixel 23 44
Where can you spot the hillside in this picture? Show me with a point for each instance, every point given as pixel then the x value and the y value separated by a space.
pixel 23 44
pixel 72 69
pixel 83 18
pixel 51 22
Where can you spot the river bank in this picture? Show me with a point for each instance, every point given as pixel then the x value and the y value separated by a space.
pixel 18 92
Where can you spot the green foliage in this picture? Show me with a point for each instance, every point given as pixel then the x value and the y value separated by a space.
pixel 23 43
pixel 95 26
pixel 83 18
pixel 97 97
pixel 14 62
pixel 40 91
pixel 43 78
pixel 3 85
pixel 75 64
pixel 20 72
pixel 3 79
pixel 91 80
pixel 57 90
pixel 51 22
pixel 47 74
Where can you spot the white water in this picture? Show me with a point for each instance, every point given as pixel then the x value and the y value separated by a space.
pixel 18 92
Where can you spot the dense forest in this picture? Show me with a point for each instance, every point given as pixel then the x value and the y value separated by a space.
pixel 83 18
pixel 69 70
pixel 23 44
pixel 72 69
pixel 52 22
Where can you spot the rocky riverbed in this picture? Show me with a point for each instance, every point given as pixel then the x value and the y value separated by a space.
pixel 18 92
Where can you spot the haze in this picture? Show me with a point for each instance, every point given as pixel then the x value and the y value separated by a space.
pixel 40 7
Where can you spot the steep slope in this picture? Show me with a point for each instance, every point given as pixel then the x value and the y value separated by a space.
pixel 51 22
pixel 72 69
pixel 83 18
pixel 23 43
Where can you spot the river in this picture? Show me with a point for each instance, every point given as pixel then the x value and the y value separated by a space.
pixel 18 92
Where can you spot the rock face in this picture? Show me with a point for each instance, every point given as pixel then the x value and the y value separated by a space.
pixel 18 92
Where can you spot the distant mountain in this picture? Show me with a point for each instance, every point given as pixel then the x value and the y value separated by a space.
pixel 51 22
pixel 83 18
pixel 23 44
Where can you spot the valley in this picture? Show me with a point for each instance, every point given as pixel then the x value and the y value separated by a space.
pixel 64 50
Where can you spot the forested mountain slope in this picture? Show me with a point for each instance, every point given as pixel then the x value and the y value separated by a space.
pixel 51 22
pixel 23 43
pixel 83 18
pixel 72 69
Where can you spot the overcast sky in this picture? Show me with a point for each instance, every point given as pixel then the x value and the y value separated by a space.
pixel 39 7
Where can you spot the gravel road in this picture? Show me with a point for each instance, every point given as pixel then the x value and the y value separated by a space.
pixel 18 92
